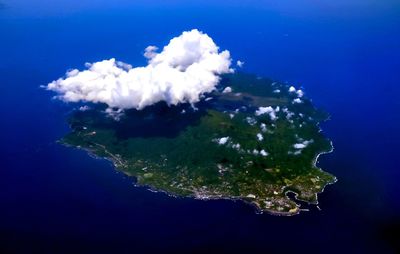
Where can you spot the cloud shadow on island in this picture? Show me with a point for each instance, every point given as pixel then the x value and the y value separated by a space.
pixel 159 120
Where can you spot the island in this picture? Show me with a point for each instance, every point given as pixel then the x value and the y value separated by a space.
pixel 252 139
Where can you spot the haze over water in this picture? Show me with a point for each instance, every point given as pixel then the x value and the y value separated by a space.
pixel 56 199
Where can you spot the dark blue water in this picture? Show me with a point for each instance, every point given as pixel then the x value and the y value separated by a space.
pixel 346 54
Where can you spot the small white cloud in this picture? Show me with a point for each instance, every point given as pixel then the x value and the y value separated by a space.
pixel 297 152
pixel 227 89
pixel 150 52
pixel 267 110
pixel 222 141
pixel 260 137
pixel 236 146
pixel 299 146
pixel 251 120
pixel 84 108
pixel 303 144
pixel 297 101
pixel 239 63
pixel 263 127
pixel 289 114
pixel 263 152
pixel 115 114
pixel 264 110
pixel 276 91
pixel 300 93
pixel 307 142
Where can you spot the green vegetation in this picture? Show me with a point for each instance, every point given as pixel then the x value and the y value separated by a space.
pixel 214 152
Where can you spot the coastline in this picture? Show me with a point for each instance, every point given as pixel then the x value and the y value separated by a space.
pixel 257 209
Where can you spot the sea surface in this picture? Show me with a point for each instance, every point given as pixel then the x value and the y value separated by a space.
pixel 345 54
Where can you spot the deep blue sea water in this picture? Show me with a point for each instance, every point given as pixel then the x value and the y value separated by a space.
pixel 346 55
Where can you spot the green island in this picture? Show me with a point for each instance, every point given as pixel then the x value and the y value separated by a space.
pixel 252 139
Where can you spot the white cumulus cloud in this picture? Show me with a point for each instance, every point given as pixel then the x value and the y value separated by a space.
pixel 268 110
pixel 227 89
pixel 300 93
pixel 188 67
pixel 263 152
pixel 297 100
pixel 303 144
pixel 222 141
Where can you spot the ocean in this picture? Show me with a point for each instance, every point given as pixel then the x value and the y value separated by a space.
pixel 55 199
